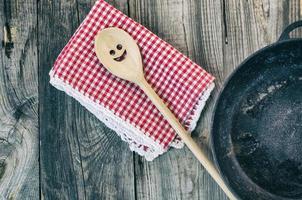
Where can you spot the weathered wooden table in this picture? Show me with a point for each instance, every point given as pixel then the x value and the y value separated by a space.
pixel 52 148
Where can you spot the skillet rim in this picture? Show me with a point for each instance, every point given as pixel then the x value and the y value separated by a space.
pixel 218 99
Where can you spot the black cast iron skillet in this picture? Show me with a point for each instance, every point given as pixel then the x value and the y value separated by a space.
pixel 257 123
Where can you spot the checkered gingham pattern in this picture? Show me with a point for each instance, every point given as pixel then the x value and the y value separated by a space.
pixel 176 79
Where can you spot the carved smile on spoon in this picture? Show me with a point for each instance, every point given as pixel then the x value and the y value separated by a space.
pixel 122 57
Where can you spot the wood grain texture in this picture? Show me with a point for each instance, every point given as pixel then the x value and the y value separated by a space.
pixel 61 176
pixel 19 142
pixel 80 157
pixel 255 24
pixel 177 174
pixel 107 161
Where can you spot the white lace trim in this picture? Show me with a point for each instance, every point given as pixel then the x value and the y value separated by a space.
pixel 178 143
pixel 199 106
pixel 127 131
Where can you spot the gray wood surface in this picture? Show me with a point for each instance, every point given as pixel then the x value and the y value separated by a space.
pixel 79 157
pixel 19 136
pixel 177 174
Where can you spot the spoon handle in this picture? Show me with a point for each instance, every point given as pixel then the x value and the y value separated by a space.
pixel 184 135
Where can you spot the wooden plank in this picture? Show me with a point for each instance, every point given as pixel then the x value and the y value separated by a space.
pixel 195 28
pixel 294 13
pixel 80 157
pixel 250 26
pixel 107 161
pixel 61 174
pixel 255 24
pixel 19 172
pixel 84 6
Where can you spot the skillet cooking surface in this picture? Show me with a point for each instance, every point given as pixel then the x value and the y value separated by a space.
pixel 257 127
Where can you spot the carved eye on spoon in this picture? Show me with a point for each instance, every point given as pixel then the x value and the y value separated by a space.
pixel 112 52
pixel 119 47
pixel 120 58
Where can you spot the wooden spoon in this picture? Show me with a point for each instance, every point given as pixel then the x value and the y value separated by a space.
pixel 119 54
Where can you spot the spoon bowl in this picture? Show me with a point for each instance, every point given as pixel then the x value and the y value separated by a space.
pixel 119 53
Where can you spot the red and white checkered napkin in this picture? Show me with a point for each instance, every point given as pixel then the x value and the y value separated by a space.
pixel 122 106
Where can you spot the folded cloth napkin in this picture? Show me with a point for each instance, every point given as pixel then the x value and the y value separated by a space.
pixel 122 106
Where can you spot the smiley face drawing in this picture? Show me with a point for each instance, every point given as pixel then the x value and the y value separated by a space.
pixel 118 52
pixel 120 58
